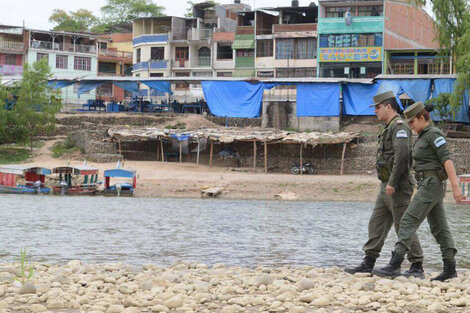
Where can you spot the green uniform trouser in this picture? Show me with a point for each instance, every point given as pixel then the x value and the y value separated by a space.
pixel 428 202
pixel 388 211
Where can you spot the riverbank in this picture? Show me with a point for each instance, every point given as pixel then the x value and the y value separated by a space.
pixel 193 287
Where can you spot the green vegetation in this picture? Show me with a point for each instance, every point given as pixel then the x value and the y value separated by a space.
pixel 178 125
pixel 63 148
pixel 26 270
pixel 189 10
pixel 10 155
pixel 34 112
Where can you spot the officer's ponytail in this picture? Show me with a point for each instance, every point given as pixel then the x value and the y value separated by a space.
pixel 425 112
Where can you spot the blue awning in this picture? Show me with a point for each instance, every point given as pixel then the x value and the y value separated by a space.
pixel 119 172
pixel 86 86
pixel 128 86
pixel 234 98
pixel 163 86
pixel 180 137
pixel 357 99
pixel 60 84
pixel 318 99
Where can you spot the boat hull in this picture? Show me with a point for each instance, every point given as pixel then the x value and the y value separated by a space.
pixel 23 190
pixel 75 191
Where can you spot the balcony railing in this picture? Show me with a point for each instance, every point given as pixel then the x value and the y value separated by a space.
pixel 66 47
pixel 284 28
pixel 10 45
pixel 202 34
pixel 180 63
pixel 154 65
pixel 115 54
pixel 202 62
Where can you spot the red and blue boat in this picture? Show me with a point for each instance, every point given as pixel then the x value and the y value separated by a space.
pixel 122 188
pixel 20 179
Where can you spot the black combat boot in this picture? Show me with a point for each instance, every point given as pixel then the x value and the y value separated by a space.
pixel 416 270
pixel 449 271
pixel 392 269
pixel 366 266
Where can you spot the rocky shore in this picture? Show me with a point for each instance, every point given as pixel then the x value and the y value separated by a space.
pixel 192 287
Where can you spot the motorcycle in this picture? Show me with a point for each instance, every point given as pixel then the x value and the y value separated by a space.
pixel 307 168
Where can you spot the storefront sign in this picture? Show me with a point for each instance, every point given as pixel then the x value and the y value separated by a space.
pixel 358 54
pixel 11 70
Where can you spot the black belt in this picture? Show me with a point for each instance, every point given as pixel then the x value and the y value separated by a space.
pixel 420 175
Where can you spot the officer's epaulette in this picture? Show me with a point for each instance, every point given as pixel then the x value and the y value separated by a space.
pixel 400 122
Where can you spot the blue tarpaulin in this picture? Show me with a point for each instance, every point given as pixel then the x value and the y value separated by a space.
pixel 159 85
pixel 180 137
pixel 318 99
pixel 129 86
pixel 234 99
pixel 447 85
pixel 417 89
pixel 119 172
pixel 59 84
pixel 86 86
pixel 357 98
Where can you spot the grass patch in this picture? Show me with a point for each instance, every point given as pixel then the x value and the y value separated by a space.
pixel 62 148
pixel 178 125
pixel 13 155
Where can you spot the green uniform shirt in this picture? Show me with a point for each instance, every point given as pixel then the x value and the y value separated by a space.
pixel 430 151
pixel 394 150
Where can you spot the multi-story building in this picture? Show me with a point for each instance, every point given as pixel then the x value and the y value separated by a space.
pixel 364 38
pixel 68 55
pixel 182 47
pixel 13 49
pixel 114 59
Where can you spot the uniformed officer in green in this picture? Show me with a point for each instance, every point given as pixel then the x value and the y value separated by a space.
pixel 433 166
pixel 396 188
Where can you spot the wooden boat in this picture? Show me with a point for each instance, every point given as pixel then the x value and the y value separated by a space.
pixel 121 188
pixel 67 175
pixel 11 179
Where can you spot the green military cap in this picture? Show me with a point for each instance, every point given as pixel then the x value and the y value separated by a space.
pixel 413 110
pixel 381 97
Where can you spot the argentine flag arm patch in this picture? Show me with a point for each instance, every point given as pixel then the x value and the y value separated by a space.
pixel 440 141
pixel 402 134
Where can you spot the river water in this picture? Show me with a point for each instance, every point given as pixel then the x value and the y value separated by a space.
pixel 162 231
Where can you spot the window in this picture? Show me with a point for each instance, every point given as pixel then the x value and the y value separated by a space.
pixel 224 52
pixel 299 48
pixel 264 48
pixel 351 40
pixel 374 10
pixel 204 56
pixel 296 72
pixel 41 56
pixel 61 61
pixel 224 74
pixel 10 59
pixel 103 45
pixel 156 74
pixel 157 53
pixel 245 53
pixel 137 56
pixel 265 74
pixel 107 67
pixel 182 53
pixel 82 64
pixel 127 69
pixel 337 11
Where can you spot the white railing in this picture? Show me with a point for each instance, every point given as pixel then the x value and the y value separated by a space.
pixel 67 47
pixel 116 54
pixel 10 45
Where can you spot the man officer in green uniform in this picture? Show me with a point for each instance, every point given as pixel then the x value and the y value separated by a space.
pixel 393 163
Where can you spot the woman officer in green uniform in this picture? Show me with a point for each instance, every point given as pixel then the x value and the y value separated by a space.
pixel 432 164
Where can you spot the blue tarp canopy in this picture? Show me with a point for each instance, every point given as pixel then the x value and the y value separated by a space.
pixel 442 85
pixel 180 137
pixel 86 86
pixel 119 172
pixel 234 98
pixel 318 99
pixel 128 86
pixel 164 86
pixel 60 84
pixel 357 99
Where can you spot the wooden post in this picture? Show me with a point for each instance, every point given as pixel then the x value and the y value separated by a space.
pixel 265 156
pixel 158 151
pixel 342 158
pixel 181 151
pixel 301 159
pixel 254 154
pixel 161 148
pixel 198 145
pixel 119 145
pixel 210 155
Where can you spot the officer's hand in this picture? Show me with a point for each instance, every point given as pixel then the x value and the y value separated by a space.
pixel 389 190
pixel 458 196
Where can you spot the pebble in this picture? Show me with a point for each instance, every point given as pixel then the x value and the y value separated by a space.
pixel 27 288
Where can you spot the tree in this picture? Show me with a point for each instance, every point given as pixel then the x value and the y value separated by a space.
pixel 37 104
pixel 189 10
pixel 452 25
pixel 126 11
pixel 79 21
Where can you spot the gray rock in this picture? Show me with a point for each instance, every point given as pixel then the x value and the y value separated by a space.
pixel 263 279
pixel 27 288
